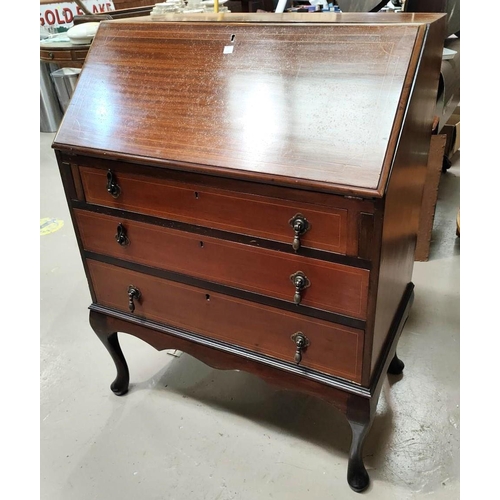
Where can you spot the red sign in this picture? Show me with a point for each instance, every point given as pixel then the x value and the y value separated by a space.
pixel 62 14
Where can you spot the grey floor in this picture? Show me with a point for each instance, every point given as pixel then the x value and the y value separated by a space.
pixel 186 431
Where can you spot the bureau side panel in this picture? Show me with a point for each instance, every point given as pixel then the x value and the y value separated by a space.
pixel 404 191
pixel 72 190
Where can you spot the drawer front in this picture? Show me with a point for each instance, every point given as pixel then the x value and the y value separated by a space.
pixel 333 349
pixel 333 287
pixel 252 215
pixel 55 55
pixel 80 55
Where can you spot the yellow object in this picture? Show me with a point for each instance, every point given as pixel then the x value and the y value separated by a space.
pixel 49 225
pixel 216 5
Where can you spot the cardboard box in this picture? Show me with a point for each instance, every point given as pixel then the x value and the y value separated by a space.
pixel 452 132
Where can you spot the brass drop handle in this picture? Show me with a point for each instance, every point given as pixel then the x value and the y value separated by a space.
pixel 301 343
pixel 300 225
pixel 300 281
pixel 112 186
pixel 133 294
pixel 121 235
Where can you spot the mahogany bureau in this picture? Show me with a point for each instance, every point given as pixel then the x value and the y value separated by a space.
pixel 246 189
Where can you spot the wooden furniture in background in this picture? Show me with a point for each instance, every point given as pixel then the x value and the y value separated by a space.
pixel 429 197
pixel 132 4
pixel 64 54
pixel 253 200
pixel 69 55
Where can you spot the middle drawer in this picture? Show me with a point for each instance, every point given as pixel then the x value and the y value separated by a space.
pixel 329 286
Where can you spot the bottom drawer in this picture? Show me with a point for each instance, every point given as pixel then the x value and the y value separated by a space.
pixel 333 349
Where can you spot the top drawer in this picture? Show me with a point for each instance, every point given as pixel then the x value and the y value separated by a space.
pixel 248 214
pixel 55 55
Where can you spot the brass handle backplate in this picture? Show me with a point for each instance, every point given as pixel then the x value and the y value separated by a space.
pixel 300 225
pixel 300 282
pixel 133 294
pixel 301 343
pixel 112 186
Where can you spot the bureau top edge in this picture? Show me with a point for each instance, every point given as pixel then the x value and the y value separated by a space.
pixel 417 18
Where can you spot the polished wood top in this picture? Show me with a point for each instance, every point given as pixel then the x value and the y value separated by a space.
pixel 314 104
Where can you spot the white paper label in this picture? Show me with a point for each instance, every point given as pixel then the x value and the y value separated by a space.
pixel 228 49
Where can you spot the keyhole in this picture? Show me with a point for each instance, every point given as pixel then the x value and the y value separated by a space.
pixel 196 195
pixel 207 296
pixel 232 38
pixel 201 244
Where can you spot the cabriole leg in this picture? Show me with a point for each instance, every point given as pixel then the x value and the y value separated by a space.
pixel 110 340
pixel 357 477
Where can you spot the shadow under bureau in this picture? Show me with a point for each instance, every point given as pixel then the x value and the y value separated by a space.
pixel 246 188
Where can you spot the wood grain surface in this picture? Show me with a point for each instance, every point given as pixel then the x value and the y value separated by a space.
pixel 258 216
pixel 314 102
pixel 403 200
pixel 334 287
pixel 334 349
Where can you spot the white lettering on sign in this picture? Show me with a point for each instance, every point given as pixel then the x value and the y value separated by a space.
pixel 61 15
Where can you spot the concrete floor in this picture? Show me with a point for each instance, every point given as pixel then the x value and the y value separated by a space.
pixel 185 431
